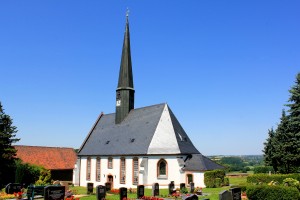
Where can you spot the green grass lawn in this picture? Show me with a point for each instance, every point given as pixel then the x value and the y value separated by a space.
pixel 210 193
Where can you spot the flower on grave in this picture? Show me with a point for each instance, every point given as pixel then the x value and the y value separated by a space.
pixel 18 195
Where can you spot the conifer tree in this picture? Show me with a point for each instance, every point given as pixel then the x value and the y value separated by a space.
pixel 7 151
pixel 282 148
pixel 294 122
pixel 269 149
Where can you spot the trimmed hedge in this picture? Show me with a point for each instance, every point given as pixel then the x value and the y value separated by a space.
pixel 263 169
pixel 265 178
pixel 214 178
pixel 264 192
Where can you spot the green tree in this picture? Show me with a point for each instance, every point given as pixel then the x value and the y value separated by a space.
pixel 7 151
pixel 294 123
pixel 282 148
pixel 269 149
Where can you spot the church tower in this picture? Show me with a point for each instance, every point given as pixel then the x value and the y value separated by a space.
pixel 125 90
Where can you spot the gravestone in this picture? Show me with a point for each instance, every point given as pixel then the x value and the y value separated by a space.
pixel 108 186
pixel 182 185
pixel 123 193
pixel 192 197
pixel 34 191
pixel 192 187
pixel 90 188
pixel 155 189
pixel 54 192
pixel 236 193
pixel 225 195
pixel 12 188
pixel 100 192
pixel 171 187
pixel 140 191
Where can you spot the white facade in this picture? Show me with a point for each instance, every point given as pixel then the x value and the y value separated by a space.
pixel 147 172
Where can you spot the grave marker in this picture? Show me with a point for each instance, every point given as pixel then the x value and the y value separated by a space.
pixel 192 187
pixel 123 193
pixel 171 187
pixel 155 189
pixel 12 188
pixel 140 191
pixel 236 193
pixel 54 192
pixel 100 192
pixel 108 186
pixel 182 185
pixel 90 188
pixel 225 195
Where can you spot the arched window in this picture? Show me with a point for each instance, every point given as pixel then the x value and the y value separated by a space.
pixel 88 168
pixel 98 169
pixel 122 171
pixel 162 168
pixel 135 171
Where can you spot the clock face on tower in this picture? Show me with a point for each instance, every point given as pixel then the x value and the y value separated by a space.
pixel 118 97
pixel 118 102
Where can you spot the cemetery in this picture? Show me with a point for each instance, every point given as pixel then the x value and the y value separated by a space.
pixel 145 154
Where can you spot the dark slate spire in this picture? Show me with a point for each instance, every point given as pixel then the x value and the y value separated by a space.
pixel 125 90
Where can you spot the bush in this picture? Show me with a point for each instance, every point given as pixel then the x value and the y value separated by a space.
pixel 226 181
pixel 211 176
pixel 265 178
pixel 263 170
pixel 272 193
pixel 291 182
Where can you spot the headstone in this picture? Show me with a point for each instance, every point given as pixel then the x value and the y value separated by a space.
pixel 13 187
pixel 90 188
pixel 34 191
pixel 192 187
pixel 108 186
pixel 140 191
pixel 192 197
pixel 236 193
pixel 155 189
pixel 54 192
pixel 123 193
pixel 171 187
pixel 225 195
pixel 100 192
pixel 182 185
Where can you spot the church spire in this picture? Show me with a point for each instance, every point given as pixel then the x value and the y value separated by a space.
pixel 125 90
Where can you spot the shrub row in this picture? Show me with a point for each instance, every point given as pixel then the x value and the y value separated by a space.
pixel 264 192
pixel 263 169
pixel 215 178
pixel 265 178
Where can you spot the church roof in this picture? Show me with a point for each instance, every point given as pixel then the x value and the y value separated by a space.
pixel 198 162
pixel 152 130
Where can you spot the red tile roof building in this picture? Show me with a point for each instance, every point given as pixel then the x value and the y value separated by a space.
pixel 59 160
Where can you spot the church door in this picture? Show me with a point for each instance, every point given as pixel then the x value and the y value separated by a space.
pixel 110 179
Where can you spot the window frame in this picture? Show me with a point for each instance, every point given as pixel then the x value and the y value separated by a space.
pixel 158 168
pixel 88 168
pixel 98 169
pixel 135 178
pixel 122 170
pixel 110 163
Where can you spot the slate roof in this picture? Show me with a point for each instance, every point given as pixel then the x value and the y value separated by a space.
pixel 201 163
pixel 52 158
pixel 135 134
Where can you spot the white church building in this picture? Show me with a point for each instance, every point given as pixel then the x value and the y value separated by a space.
pixel 138 146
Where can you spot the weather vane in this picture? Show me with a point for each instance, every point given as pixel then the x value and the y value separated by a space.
pixel 127 12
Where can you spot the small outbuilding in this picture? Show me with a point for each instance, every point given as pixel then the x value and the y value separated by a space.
pixel 59 160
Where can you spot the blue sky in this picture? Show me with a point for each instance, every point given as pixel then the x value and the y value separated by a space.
pixel 223 67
